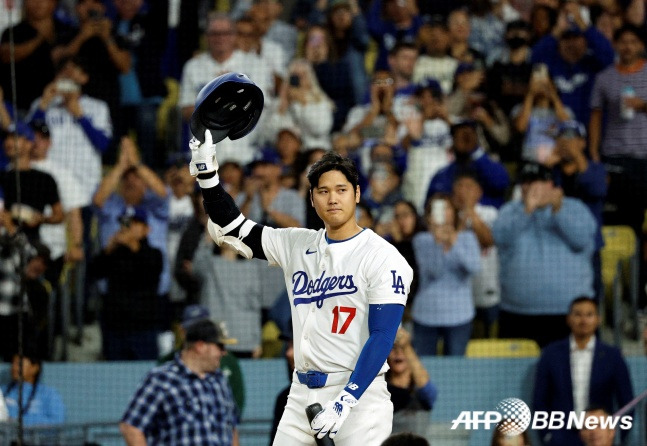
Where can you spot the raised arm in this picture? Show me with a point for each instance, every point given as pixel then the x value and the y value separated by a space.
pixel 226 223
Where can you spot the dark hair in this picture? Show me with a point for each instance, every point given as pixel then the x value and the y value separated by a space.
pixel 34 358
pixel 333 161
pixel 629 28
pixel 498 435
pixel 403 45
pixel 405 439
pixel 420 223
pixel 518 25
pixel 579 300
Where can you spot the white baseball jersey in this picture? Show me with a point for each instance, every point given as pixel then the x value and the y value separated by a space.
pixel 330 286
pixel 70 145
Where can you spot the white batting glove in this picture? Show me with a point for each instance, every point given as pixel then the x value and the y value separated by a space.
pixel 203 156
pixel 333 415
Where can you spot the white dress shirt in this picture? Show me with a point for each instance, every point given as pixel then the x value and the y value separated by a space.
pixel 581 362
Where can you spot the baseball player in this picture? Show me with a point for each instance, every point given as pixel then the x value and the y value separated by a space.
pixel 347 288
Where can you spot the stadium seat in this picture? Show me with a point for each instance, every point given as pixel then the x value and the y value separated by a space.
pixel 619 272
pixel 502 348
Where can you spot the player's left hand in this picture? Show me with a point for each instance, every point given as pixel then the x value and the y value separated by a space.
pixel 333 415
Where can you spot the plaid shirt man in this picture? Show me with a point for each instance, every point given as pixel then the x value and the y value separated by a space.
pixel 174 406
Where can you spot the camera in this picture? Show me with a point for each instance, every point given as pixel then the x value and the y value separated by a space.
pixel 67 86
pixel 540 71
pixel 438 211
pixel 295 80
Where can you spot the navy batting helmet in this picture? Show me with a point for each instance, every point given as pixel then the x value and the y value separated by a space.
pixel 229 106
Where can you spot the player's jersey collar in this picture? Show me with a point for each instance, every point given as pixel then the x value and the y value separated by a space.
pixel 331 241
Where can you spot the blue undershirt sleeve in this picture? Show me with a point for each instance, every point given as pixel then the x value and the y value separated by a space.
pixel 98 139
pixel 383 323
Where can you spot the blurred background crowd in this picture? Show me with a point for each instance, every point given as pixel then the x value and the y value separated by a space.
pixel 496 140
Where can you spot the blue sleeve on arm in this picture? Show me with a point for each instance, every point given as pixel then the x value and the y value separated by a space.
pixel 383 322
pixel 427 395
pixel 99 140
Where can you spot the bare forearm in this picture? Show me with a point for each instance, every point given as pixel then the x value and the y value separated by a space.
pixel 420 374
pixel 120 58
pixel 108 185
pixel 521 123
pixel 21 51
pixel 75 227
pixel 594 134
pixel 153 181
pixel 132 435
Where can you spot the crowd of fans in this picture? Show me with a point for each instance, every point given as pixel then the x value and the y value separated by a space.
pixel 494 139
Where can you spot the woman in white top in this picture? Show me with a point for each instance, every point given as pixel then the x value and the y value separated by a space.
pixel 303 104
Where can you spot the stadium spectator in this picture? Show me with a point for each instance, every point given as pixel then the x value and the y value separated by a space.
pixel 130 316
pixel 402 60
pixel 64 240
pixel 232 290
pixel 232 176
pixel 34 37
pixel 447 260
pixel 580 371
pixel 581 178
pixel 407 379
pixel 390 22
pixel 267 49
pixel 102 52
pixel 41 405
pixel 349 33
pixel 267 201
pixel 458 25
pixel 35 311
pixel 221 57
pixel 180 212
pixel 332 72
pixel 487 28
pixel 620 140
pixel 540 113
pixel 277 30
pixel 308 159
pixel 189 394
pixel 544 243
pixel 382 117
pixel 509 74
pixel 486 290
pixel 229 364
pixel 405 225
pixel 128 185
pixel 302 104
pixel 80 125
pixel 189 241
pixel 382 193
pixel 427 142
pixel 288 150
pixel 542 20
pixel 434 61
pixel 469 100
pixel 469 156
pixel 142 28
pixel 574 53
pixel 598 435
pixel 30 195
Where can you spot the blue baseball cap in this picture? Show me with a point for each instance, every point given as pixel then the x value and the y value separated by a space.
pixel 571 31
pixel 133 214
pixel 194 313
pixel 19 128
pixel 464 67
pixel 430 84
pixel 570 129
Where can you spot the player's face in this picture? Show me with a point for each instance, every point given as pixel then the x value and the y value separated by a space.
pixel 334 199
pixel 583 319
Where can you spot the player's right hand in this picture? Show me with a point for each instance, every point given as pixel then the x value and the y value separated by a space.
pixel 203 156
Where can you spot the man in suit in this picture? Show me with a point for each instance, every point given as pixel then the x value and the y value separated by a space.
pixel 580 371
